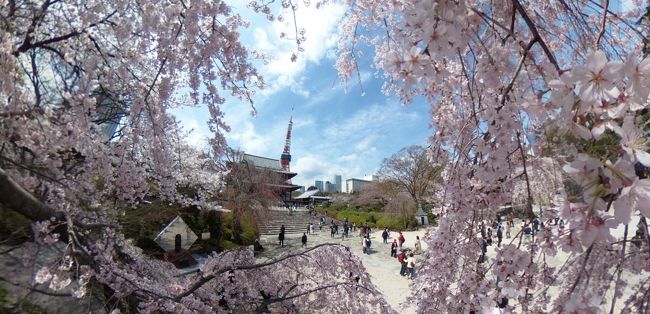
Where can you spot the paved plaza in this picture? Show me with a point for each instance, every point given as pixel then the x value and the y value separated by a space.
pixel 383 269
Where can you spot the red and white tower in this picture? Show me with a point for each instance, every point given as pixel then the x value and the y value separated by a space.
pixel 285 158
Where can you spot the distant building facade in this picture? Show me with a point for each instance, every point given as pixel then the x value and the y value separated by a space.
pixel 338 180
pixel 355 185
pixel 319 185
pixel 329 187
pixel 311 198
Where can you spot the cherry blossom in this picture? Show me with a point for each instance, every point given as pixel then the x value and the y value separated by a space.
pixel 498 74
pixel 635 196
pixel 509 83
pixel 638 73
pixel 597 78
pixel 633 140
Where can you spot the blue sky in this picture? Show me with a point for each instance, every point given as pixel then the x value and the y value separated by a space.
pixel 337 129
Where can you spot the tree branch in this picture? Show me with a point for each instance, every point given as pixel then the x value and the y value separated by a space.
pixel 618 276
pixel 600 36
pixel 208 278
pixel 14 197
pixel 516 74
pixel 533 29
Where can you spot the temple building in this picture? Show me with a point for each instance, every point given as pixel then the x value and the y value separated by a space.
pixel 274 174
pixel 280 182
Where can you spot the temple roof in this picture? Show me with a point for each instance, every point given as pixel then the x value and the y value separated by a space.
pixel 312 194
pixel 290 187
pixel 263 162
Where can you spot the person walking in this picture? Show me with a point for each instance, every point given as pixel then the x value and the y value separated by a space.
pixel 489 236
pixel 418 245
pixel 304 239
pixel 393 248
pixel 535 225
pixel 368 243
pixel 528 232
pixel 484 246
pixel 332 231
pixel 346 229
pixel 281 236
pixel 363 245
pixel 410 266
pixel 401 258
pixel 499 235
pixel 401 240
pixel 384 236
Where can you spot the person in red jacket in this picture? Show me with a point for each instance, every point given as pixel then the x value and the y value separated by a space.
pixel 401 240
pixel 402 259
pixel 393 248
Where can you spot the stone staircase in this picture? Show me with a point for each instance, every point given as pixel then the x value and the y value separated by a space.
pixel 295 223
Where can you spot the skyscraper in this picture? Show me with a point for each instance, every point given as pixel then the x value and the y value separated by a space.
pixel 327 187
pixel 338 180
pixel 319 185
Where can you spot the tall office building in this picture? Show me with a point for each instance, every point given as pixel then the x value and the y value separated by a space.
pixel 338 181
pixel 355 185
pixel 327 187
pixel 319 185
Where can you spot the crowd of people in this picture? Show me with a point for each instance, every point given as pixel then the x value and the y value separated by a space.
pixel 405 256
pixel 529 228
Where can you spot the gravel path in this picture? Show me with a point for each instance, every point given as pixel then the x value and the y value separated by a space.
pixel 383 269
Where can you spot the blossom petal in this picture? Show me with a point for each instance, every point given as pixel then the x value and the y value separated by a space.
pixel 642 193
pixel 643 157
pixel 581 131
pixel 623 209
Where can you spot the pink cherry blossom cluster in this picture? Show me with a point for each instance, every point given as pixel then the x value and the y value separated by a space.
pixel 86 134
pixel 509 81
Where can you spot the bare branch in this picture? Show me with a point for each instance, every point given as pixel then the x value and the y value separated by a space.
pixel 600 36
pixel 208 278
pixel 14 197
pixel 533 29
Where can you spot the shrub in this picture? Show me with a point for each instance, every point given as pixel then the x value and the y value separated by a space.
pixel 355 217
pixel 433 218
pixel 248 230
pixel 14 227
pixel 390 222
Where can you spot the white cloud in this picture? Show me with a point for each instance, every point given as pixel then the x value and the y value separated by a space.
pixel 326 94
pixel 348 158
pixel 314 167
pixel 260 135
pixel 369 124
pixel 366 142
pixel 351 147
pixel 198 135
pixel 249 140
pixel 321 31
